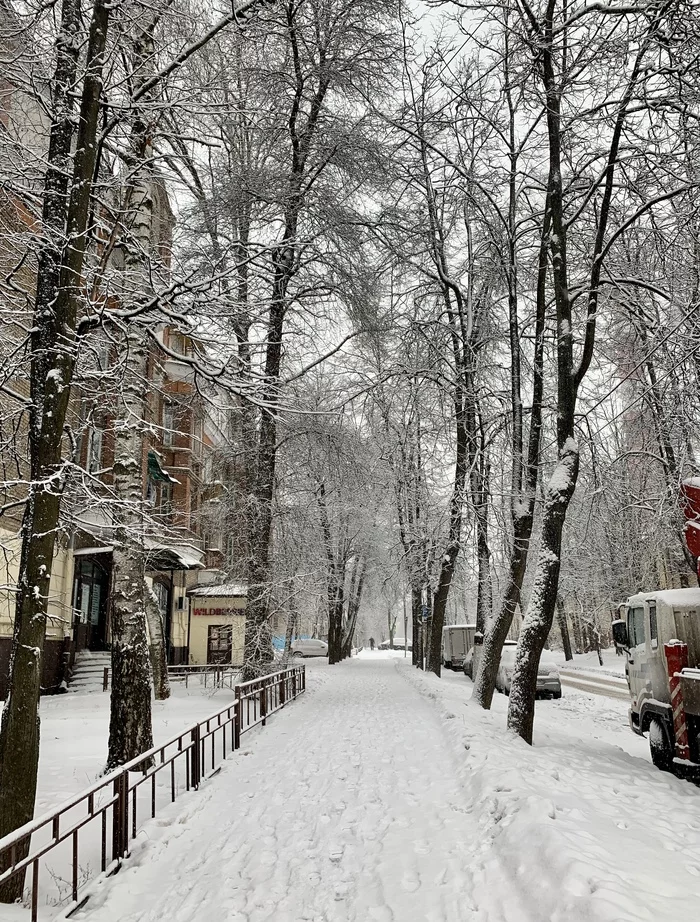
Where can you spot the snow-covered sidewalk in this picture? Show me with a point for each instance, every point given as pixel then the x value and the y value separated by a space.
pixel 384 794
pixel 347 807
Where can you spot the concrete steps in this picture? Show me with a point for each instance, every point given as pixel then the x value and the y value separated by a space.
pixel 88 672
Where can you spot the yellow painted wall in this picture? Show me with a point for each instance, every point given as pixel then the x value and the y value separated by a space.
pixel 60 596
pixel 199 627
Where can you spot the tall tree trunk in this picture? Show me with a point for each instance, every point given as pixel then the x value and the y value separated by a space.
pixel 454 538
pixel 302 131
pixel 52 363
pixel 157 647
pixel 479 488
pixel 564 628
pixel 560 488
pixel 335 583
pixel 354 604
pixel 130 729
pixel 291 627
pixel 524 470
pixel 416 646
pixel 523 482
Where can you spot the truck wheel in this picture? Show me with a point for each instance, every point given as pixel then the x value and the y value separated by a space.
pixel 660 745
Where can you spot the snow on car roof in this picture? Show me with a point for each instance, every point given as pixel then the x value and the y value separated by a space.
pixel 471 627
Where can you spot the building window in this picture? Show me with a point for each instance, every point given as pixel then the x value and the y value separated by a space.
pixel 151 492
pixel 161 594
pixel 168 424
pixel 179 343
pixel 94 450
pixel 166 500
pixel 197 437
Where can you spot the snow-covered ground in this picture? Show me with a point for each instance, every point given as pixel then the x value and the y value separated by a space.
pixel 385 795
pixel 613 665
pixel 74 731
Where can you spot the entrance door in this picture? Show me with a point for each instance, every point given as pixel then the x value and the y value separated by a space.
pixel 219 644
pixel 90 597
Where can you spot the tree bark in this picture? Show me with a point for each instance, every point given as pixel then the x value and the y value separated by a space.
pixel 130 731
pixel 354 605
pixel 540 612
pixel 52 363
pixel 523 482
pixel 157 647
pixel 564 628
pixel 130 727
pixel 524 470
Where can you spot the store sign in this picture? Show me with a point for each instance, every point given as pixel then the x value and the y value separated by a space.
pixel 218 612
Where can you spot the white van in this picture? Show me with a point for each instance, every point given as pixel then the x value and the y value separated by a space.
pixel 457 641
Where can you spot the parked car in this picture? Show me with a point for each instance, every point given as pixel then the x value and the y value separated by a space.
pixel 399 644
pixel 470 666
pixel 548 681
pixel 309 647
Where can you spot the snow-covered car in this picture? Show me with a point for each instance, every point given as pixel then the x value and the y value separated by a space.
pixel 548 681
pixel 473 657
pixel 399 644
pixel 309 647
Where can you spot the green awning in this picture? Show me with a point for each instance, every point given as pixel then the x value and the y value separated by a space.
pixel 156 472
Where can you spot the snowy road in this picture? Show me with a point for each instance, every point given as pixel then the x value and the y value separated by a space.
pixel 346 808
pixel 386 795
pixel 610 686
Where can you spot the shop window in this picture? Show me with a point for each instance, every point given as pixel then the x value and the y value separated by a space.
pixel 219 643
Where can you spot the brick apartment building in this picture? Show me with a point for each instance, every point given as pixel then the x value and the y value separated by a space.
pixel 183 433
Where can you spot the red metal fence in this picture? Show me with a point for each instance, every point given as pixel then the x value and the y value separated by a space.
pixel 104 818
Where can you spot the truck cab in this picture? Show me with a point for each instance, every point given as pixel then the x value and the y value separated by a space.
pixel 647 621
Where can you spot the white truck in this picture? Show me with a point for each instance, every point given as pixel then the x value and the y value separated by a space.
pixel 648 621
pixel 457 641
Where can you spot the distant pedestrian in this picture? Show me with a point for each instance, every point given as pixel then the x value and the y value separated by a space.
pixel 371 643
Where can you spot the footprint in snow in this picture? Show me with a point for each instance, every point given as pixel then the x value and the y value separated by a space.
pixel 410 881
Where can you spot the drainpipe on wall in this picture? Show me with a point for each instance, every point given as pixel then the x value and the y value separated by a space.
pixel 171 619
pixel 189 625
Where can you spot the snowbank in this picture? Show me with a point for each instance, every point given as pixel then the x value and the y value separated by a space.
pixel 578 827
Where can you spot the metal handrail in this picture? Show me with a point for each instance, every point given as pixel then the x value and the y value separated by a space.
pixel 121 792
